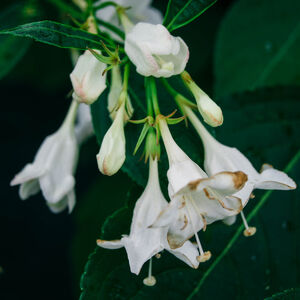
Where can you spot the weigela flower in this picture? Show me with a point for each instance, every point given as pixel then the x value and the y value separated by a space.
pixel 114 95
pixel 209 110
pixel 138 11
pixel 112 152
pixel 53 168
pixel 196 199
pixel 87 78
pixel 84 127
pixel 220 158
pixel 144 242
pixel 154 51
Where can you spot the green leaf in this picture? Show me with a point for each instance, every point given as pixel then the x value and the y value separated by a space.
pixel 182 12
pixel 290 294
pixel 264 125
pixel 13 49
pixel 258 45
pixel 57 34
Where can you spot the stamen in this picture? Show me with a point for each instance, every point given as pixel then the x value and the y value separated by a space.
pixel 150 280
pixel 204 256
pixel 249 231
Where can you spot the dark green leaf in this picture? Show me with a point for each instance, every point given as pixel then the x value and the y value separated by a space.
pixel 258 45
pixel 13 49
pixel 182 12
pixel 57 34
pixel 264 125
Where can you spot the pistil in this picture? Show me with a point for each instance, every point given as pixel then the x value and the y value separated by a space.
pixel 150 280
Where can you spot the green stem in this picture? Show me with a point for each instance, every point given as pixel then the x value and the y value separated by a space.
pixel 111 27
pixel 148 97
pixel 259 205
pixel 153 91
pixel 126 77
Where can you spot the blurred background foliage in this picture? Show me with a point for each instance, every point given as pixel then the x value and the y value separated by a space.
pixel 246 54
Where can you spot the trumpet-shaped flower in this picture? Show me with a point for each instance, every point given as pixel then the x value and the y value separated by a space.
pixel 138 11
pixel 220 158
pixel 87 78
pixel 114 95
pixel 196 199
pixel 143 242
pixel 53 168
pixel 112 151
pixel 155 52
pixel 84 127
pixel 209 110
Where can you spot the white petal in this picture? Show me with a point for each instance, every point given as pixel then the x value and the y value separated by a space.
pixel 71 200
pixel 84 126
pixel 229 220
pixel 29 172
pixel 58 206
pixel 187 253
pixel 116 244
pixel 272 179
pixel 29 188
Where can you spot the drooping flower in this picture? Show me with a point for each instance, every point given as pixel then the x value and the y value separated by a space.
pixel 143 242
pixel 209 110
pixel 114 95
pixel 220 158
pixel 87 78
pixel 138 11
pixel 196 199
pixel 112 152
pixel 53 167
pixel 154 51
pixel 84 127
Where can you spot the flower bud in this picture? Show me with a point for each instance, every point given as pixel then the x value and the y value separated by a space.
pixel 209 110
pixel 155 52
pixel 87 79
pixel 112 152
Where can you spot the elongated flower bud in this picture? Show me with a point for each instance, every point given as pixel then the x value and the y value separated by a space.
pixel 87 79
pixel 112 152
pixel 209 110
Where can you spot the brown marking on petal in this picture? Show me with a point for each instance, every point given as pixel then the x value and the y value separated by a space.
pixel 204 257
pixel 239 179
pixel 194 184
pixel 186 77
pixel 265 166
pixel 99 242
pixel 215 122
pixel 185 221
pixel 182 204
pixel 208 195
pixel 204 222
pixel 173 243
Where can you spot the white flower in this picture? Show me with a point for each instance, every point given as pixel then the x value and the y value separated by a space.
pixel 139 11
pixel 114 95
pixel 84 127
pixel 219 158
pixel 87 79
pixel 155 52
pixel 53 168
pixel 112 151
pixel 144 242
pixel 196 200
pixel 209 110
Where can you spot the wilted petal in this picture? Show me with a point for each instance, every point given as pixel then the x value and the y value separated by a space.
pixel 116 244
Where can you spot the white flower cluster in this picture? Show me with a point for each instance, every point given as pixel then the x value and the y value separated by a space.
pixel 197 197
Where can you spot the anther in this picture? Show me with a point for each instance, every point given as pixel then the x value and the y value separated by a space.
pixel 249 231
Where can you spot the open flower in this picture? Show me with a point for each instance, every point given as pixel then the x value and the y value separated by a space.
pixel 220 158
pixel 87 78
pixel 154 51
pixel 53 167
pixel 209 110
pixel 144 242
pixel 196 199
pixel 138 11
pixel 112 152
